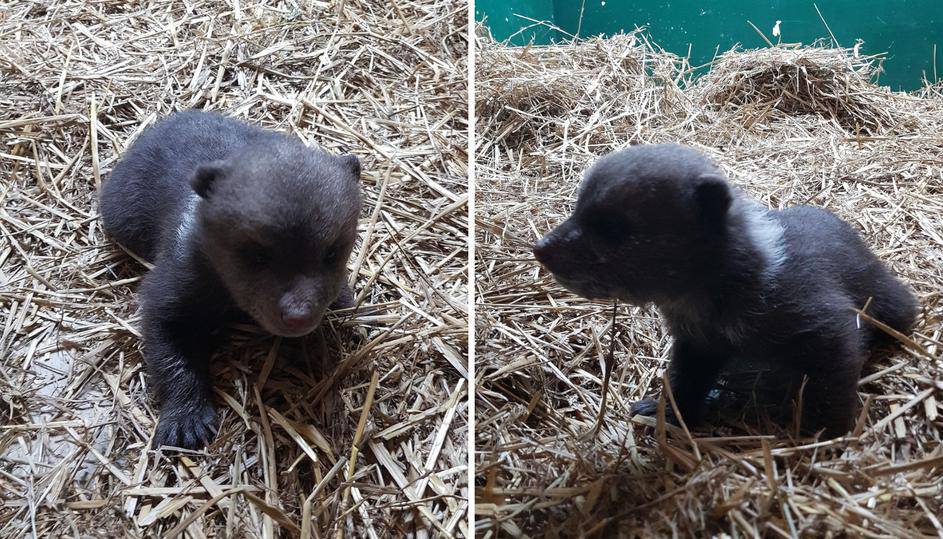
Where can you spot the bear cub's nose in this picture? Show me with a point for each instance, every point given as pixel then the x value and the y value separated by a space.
pixel 542 250
pixel 296 318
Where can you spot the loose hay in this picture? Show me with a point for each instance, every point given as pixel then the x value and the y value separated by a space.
pixel 359 430
pixel 540 350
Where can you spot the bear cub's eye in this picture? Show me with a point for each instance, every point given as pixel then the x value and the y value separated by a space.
pixel 255 255
pixel 331 256
pixel 609 227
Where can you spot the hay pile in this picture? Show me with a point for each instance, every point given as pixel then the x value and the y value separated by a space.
pixel 357 431
pixel 826 82
pixel 788 126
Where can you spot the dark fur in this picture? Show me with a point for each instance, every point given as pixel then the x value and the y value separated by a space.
pixel 271 227
pixel 659 224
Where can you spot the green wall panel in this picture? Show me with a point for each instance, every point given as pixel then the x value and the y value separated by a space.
pixel 503 18
pixel 904 29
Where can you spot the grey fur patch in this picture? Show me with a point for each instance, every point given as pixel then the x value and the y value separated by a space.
pixel 187 220
pixel 766 234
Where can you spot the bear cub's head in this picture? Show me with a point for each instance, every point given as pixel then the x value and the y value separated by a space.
pixel 649 220
pixel 278 223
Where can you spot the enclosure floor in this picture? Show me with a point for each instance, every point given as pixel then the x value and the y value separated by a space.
pixel 359 430
pixel 789 127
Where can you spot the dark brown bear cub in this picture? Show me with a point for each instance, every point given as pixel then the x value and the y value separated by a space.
pixel 736 282
pixel 236 219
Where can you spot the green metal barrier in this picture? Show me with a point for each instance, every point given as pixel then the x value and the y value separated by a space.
pixel 910 32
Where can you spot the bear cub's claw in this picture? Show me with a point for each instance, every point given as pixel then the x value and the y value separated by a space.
pixel 186 427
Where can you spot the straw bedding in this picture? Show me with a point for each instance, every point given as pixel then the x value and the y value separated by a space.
pixel 359 430
pixel 789 126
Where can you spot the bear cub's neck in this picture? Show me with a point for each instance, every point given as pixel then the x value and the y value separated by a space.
pixel 741 282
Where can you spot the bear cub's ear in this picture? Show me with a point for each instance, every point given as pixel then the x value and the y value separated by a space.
pixel 713 196
pixel 206 176
pixel 351 163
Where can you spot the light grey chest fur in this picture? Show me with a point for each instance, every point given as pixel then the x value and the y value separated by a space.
pixel 187 221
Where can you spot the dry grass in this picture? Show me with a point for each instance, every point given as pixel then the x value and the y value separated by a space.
pixel 789 126
pixel 359 430
pixel 820 81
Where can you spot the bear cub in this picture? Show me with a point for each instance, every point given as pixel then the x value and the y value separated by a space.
pixel 736 283
pixel 237 220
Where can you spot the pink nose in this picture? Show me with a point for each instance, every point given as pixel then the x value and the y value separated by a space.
pixel 298 319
